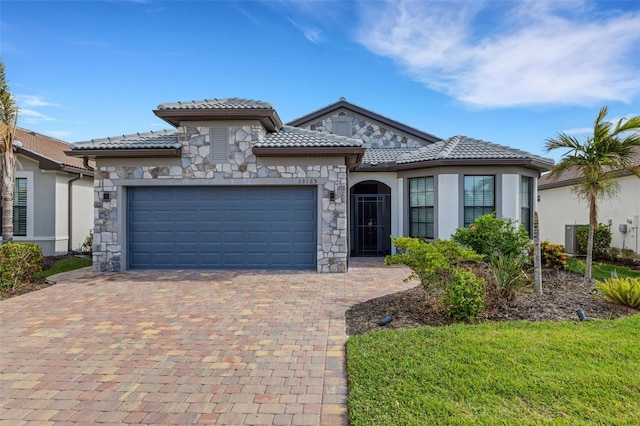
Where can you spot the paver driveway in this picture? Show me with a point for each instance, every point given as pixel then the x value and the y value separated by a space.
pixel 184 347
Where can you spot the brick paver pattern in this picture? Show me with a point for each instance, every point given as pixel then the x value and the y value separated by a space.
pixel 178 348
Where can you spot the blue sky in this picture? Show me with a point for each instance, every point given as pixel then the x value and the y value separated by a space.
pixel 510 72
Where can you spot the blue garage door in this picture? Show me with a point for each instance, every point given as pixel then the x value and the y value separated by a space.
pixel 259 227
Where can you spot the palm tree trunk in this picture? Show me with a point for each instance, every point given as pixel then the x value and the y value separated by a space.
pixel 8 168
pixel 593 223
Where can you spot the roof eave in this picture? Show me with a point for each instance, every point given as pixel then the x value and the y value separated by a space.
pixel 530 163
pixel 45 163
pixel 353 155
pixel 126 152
pixel 268 117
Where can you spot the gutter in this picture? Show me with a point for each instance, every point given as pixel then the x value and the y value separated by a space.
pixel 70 210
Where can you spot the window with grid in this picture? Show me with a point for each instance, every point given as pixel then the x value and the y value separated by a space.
pixel 526 199
pixel 421 201
pixel 479 197
pixel 19 208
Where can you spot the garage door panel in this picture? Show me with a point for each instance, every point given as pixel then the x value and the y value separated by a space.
pixel 222 227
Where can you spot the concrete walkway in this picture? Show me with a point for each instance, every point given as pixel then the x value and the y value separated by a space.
pixel 177 348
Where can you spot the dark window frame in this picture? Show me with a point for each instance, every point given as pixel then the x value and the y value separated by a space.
pixel 422 214
pixel 477 207
pixel 526 194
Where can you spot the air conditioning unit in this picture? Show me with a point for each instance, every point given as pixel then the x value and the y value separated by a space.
pixel 570 239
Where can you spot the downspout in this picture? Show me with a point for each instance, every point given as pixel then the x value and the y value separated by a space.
pixel 70 211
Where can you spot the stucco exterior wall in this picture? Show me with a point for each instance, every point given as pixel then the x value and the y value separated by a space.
pixel 449 195
pixel 48 208
pixel 560 206
pixel 82 211
pixel 243 168
pixel 372 134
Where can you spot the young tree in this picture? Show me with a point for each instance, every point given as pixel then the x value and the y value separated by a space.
pixel 610 148
pixel 8 119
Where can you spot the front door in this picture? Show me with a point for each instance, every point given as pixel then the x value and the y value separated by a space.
pixel 372 224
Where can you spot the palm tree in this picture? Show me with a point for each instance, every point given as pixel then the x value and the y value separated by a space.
pixel 610 148
pixel 8 119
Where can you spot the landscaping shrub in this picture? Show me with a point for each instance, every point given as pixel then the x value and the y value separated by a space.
pixel 601 240
pixel 19 263
pixel 620 291
pixel 431 263
pixel 87 245
pixel 628 257
pixel 491 237
pixel 510 275
pixel 553 255
pixel 463 297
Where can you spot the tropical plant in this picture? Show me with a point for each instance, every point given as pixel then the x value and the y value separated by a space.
pixel 609 149
pixel 509 272
pixel 620 291
pixel 8 119
pixel 492 237
pixel 553 255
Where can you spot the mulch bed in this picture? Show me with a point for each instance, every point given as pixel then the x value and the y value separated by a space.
pixel 563 294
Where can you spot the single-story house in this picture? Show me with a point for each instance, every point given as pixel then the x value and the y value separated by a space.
pixel 53 194
pixel 231 186
pixel 561 211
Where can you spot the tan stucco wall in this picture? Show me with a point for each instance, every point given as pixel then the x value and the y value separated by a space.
pixel 559 207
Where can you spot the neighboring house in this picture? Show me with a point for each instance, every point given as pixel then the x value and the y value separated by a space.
pixel 53 196
pixel 232 187
pixel 560 210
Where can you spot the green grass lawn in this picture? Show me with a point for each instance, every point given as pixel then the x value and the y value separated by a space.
pixel 65 265
pixel 600 271
pixel 512 373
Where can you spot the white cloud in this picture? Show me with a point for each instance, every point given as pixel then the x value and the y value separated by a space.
pixel 578 131
pixel 34 101
pixel 30 116
pixel 313 34
pixel 501 54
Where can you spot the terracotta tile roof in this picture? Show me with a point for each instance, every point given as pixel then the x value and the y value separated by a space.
pixel 294 137
pixel 48 148
pixel 223 103
pixel 572 175
pixel 148 140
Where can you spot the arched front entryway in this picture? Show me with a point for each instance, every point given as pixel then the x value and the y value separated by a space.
pixel 370 219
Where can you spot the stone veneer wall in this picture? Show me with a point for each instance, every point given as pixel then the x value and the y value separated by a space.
pixel 373 135
pixel 196 164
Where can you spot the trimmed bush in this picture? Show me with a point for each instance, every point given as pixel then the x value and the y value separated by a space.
pixel 19 263
pixel 601 240
pixel 463 297
pixel 431 263
pixel 491 237
pixel 620 291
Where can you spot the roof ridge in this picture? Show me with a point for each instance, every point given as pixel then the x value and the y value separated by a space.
pixel 256 103
pixel 143 134
pixel 449 145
